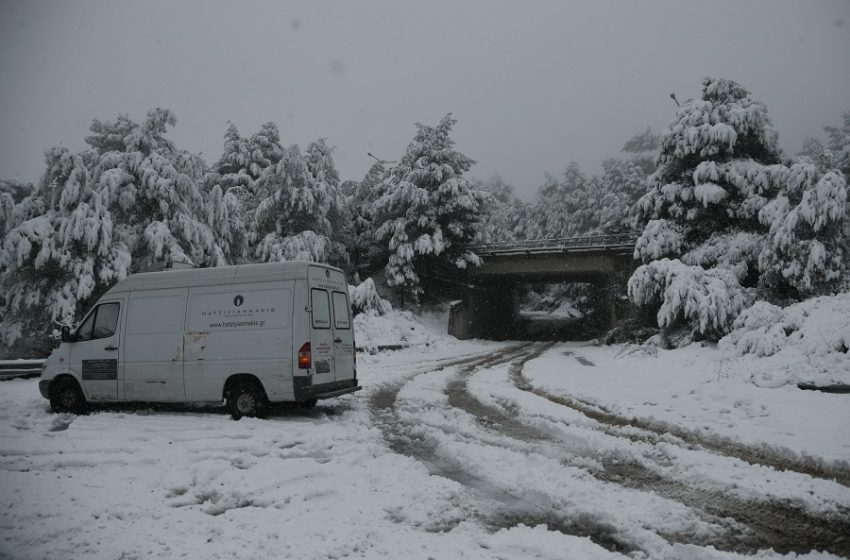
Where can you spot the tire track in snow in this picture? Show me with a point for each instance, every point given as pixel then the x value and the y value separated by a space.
pixel 501 508
pixel 780 524
pixel 656 430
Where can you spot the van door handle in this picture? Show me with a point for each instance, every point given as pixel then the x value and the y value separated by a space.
pixel 338 340
pixel 111 348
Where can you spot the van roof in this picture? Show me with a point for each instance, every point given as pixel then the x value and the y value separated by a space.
pixel 265 272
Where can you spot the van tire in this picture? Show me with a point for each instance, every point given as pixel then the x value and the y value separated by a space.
pixel 247 399
pixel 66 396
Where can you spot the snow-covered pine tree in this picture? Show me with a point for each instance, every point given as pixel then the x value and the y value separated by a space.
pixel 623 182
pixel 428 215
pixel 359 199
pixel 232 167
pixel 224 219
pixel 559 202
pixel 292 223
pixel 15 189
pixel 7 213
pixel 704 199
pixel 503 214
pixel 157 208
pixel 264 149
pixel 55 264
pixel 319 159
pixel 808 243
pixel 721 200
pixel 709 184
pixel 130 201
pixel 838 146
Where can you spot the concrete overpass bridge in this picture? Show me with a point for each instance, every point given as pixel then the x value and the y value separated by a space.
pixel 490 302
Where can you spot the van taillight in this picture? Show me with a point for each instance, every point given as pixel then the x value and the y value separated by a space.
pixel 305 360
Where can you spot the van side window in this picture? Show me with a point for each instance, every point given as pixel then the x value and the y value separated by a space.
pixel 341 311
pixel 100 323
pixel 321 309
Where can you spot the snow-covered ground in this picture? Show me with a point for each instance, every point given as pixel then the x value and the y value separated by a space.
pixel 700 389
pixel 453 449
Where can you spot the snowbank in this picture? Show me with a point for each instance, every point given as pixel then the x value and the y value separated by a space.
pixel 377 326
pixel 365 298
pixel 399 329
pixel 805 342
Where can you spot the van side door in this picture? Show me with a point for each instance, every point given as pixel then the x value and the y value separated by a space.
pixel 343 337
pixel 153 346
pixel 95 353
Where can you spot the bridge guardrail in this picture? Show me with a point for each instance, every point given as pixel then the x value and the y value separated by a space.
pixel 559 244
pixel 11 369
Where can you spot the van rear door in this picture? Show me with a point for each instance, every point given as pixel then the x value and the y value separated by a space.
pixel 343 336
pixel 322 336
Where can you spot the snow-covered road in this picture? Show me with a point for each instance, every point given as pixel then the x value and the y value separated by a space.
pixel 473 450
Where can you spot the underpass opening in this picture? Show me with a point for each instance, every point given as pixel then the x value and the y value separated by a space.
pixel 498 295
pixel 536 308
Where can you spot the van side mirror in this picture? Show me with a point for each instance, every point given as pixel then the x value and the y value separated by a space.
pixel 66 334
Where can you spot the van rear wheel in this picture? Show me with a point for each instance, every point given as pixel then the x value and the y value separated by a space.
pixel 66 396
pixel 247 399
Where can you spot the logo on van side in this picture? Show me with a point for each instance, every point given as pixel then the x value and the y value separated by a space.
pixel 238 301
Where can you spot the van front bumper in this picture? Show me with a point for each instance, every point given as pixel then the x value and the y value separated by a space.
pixel 305 390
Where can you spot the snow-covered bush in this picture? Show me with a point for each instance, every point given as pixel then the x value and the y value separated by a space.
pixel 707 300
pixel 365 299
pixel 806 341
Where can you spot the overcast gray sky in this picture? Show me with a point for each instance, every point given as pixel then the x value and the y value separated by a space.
pixel 532 84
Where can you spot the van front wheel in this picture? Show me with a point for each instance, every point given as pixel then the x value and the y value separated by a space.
pixel 246 399
pixel 66 396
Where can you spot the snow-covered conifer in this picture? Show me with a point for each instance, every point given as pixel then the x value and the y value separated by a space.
pixel 807 243
pixel 145 185
pixel 429 212
pixel 232 167
pixel 293 221
pixel 711 179
pixel 55 264
pixel 264 149
pixel 223 218
pixel 721 200
pixel 503 214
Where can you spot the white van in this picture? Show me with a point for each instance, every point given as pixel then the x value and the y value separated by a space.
pixel 248 335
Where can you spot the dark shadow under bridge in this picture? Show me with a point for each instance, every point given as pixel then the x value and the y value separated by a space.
pixel 490 302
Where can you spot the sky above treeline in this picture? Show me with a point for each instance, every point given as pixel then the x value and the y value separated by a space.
pixel 533 85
